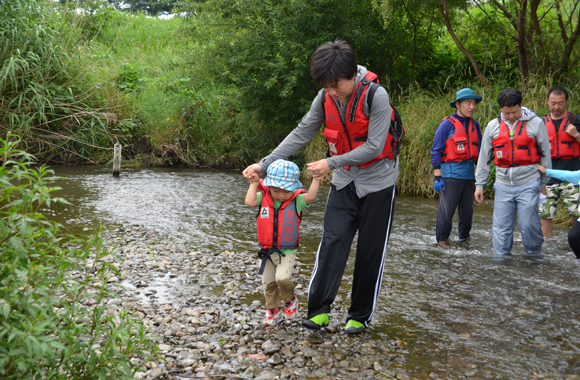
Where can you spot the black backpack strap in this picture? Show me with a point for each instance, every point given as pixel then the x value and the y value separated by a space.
pixel 373 87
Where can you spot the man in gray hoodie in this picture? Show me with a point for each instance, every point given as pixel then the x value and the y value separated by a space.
pixel 516 141
pixel 362 195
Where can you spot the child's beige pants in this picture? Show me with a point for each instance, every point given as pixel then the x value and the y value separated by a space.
pixel 278 275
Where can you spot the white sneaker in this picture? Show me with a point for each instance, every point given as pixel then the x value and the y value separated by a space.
pixel 291 308
pixel 273 316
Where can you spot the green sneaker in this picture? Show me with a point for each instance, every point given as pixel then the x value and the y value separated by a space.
pixel 353 327
pixel 316 322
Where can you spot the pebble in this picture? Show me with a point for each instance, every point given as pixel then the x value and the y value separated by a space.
pixel 193 303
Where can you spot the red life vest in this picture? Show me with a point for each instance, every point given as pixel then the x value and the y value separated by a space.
pixel 461 146
pixel 342 138
pixel 517 150
pixel 562 145
pixel 278 227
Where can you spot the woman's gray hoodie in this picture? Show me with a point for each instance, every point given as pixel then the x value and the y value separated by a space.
pixel 519 174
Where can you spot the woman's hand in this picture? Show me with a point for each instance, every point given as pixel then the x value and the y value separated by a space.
pixel 252 170
pixel 318 168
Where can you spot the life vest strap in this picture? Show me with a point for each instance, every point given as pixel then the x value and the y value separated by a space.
pixel 266 254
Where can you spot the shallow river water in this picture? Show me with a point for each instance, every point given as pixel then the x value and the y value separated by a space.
pixel 460 310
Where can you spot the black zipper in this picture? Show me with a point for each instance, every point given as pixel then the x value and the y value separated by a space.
pixel 275 242
pixel 466 129
pixel 557 140
pixel 513 148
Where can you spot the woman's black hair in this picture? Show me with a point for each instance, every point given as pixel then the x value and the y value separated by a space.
pixel 509 98
pixel 331 62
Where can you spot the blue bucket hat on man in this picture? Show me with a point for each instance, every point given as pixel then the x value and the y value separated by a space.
pixel 284 175
pixel 464 94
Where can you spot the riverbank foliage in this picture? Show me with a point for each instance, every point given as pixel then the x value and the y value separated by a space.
pixel 55 324
pixel 222 83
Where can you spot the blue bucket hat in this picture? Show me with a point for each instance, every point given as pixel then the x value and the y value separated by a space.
pixel 284 175
pixel 464 94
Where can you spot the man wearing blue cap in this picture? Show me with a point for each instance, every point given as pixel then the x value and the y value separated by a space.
pixel 453 157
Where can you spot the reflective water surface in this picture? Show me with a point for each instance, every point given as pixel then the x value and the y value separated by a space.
pixel 461 311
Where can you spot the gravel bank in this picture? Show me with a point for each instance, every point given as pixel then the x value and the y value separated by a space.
pixel 205 311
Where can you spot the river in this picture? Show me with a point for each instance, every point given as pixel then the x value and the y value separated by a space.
pixel 460 310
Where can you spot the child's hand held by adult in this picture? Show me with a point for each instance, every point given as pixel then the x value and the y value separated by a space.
pixel 318 168
pixel 251 170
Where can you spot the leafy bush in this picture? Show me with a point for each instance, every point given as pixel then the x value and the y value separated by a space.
pixel 53 320
pixel 128 78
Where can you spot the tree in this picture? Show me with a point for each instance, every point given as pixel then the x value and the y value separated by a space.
pixel 264 48
pixel 445 13
pixel 150 7
pixel 540 47
pixel 417 24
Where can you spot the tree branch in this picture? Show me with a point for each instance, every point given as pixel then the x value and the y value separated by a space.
pixel 534 4
pixel 507 13
pixel 569 47
pixel 521 40
pixel 561 22
pixel 445 14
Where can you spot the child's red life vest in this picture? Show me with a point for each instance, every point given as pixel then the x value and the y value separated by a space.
pixel 562 145
pixel 278 228
pixel 342 138
pixel 463 145
pixel 517 150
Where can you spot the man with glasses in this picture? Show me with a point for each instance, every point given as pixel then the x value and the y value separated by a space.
pixel 565 153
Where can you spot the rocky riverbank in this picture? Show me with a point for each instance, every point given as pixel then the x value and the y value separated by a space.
pixel 205 311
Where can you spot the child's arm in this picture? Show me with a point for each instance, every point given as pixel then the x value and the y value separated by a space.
pixel 312 191
pixel 563 175
pixel 252 194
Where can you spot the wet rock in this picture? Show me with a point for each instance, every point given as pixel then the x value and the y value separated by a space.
pixel 266 376
pixel 186 363
pixel 151 365
pixel 157 373
pixel 270 347
pixel 274 361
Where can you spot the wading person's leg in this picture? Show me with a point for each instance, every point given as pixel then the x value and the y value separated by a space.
pixel 465 209
pixel 340 225
pixel 528 219
pixel 448 201
pixel 504 219
pixel 574 239
pixel 376 219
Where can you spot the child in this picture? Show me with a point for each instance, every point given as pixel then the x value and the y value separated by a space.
pixel 281 200
pixel 574 178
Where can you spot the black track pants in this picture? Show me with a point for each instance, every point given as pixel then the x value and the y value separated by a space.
pixel 458 193
pixel 346 213
pixel 574 239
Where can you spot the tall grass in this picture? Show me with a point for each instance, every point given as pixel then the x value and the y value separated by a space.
pixel 46 91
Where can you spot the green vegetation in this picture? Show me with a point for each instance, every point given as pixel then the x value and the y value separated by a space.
pixel 54 323
pixel 222 83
